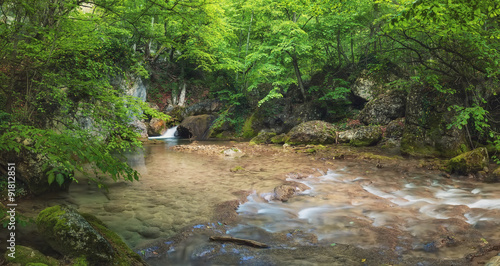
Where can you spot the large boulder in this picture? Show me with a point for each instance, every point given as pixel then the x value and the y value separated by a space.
pixel 364 87
pixel 82 235
pixel 384 108
pixel 361 136
pixel 395 128
pixel 157 127
pixel 312 132
pixel 209 106
pixel 69 233
pixel 426 131
pixel 197 127
pixel 469 162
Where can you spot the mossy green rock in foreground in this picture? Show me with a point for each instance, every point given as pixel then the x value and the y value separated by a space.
pixel 29 256
pixel 312 132
pixel 263 138
pixel 75 235
pixel 469 162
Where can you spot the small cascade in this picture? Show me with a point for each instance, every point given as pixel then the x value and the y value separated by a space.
pixel 171 133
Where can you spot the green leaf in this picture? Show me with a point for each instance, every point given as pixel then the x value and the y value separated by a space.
pixel 51 178
pixel 60 179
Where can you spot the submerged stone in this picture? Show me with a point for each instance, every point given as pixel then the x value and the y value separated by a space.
pixel 469 162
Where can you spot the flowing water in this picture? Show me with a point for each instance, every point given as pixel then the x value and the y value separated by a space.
pixel 415 214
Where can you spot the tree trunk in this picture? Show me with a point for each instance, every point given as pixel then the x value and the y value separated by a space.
pixel 300 83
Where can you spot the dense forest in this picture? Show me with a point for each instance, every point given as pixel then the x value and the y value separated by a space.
pixel 60 62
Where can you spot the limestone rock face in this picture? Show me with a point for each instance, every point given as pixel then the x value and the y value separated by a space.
pixel 384 108
pixel 69 233
pixel 312 132
pixel 141 127
pixel 362 136
pixel 426 130
pixel 469 162
pixel 156 127
pixel 364 87
pixel 197 127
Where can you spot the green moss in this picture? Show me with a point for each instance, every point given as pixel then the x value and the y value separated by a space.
pixel 80 261
pixel 36 264
pixel 51 218
pixel 27 255
pixel 280 139
pixel 469 162
pixel 237 168
pixel 263 138
pixel 123 254
pixel 360 142
pixel 247 130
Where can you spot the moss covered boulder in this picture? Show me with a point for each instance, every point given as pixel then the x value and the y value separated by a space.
pixel 361 136
pixel 75 235
pixel 263 138
pixel 426 132
pixel 280 139
pixel 469 162
pixel 28 256
pixel 312 132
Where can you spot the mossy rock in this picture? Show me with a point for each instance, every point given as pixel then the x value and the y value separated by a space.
pixel 28 256
pixel 123 255
pixel 248 129
pixel 263 138
pixel 469 162
pixel 75 235
pixel 366 136
pixel 280 139
pixel 312 132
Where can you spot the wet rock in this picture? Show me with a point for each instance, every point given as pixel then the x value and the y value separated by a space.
pixel 150 232
pixel 426 131
pixel 312 132
pixel 197 127
pixel 493 176
pixel 69 233
pixel 469 162
pixel 284 192
pixel 263 138
pixel 233 152
pixel 362 136
pixel 157 127
pixel 395 128
pixel 28 256
pixel 279 139
pixel 384 108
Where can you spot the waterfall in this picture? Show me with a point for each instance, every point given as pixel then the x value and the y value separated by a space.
pixel 171 133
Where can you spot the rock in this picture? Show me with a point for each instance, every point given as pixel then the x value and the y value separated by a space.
pixel 233 152
pixel 312 132
pixel 157 127
pixel 469 162
pixel 364 87
pixel 150 232
pixel 210 106
pixel 26 255
pixel 384 108
pixel 30 172
pixel 279 139
pixel 284 192
pixel 395 128
pixel 132 85
pixel 361 136
pixel 69 233
pixel 83 236
pixel 263 138
pixel 141 128
pixel 494 176
pixel 426 131
pixel 197 127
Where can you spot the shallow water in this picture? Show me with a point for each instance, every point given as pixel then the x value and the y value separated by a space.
pixel 416 214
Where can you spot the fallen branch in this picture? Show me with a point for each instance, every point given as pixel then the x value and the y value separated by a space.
pixel 240 241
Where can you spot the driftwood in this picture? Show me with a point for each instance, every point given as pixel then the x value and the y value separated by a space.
pixel 240 241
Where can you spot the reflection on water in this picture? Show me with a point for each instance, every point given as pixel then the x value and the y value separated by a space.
pixel 352 203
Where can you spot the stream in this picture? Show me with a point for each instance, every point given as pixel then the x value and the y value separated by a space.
pixel 408 214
